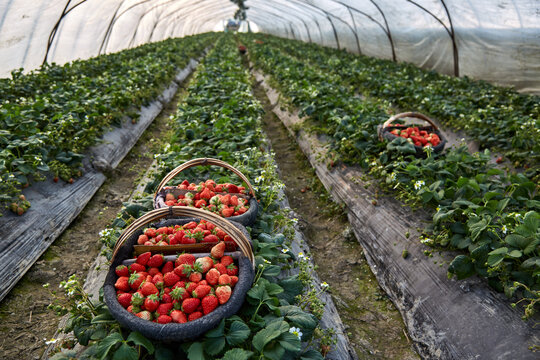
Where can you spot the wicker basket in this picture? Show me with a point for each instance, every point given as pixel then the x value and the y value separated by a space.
pixel 174 332
pixel 248 218
pixel 385 131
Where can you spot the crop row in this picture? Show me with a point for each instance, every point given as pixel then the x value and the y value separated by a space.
pixel 50 116
pixel 490 214
pixel 221 118
pixel 499 118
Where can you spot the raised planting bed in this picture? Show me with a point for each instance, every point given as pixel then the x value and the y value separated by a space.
pixel 53 205
pixel 445 318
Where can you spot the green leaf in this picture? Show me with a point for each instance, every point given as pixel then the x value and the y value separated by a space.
pixel 476 226
pixel 238 333
pixel 106 344
pixel 269 333
pixel 237 354
pixel 273 289
pixel 213 346
pixel 462 267
pixel 138 339
pixel 531 262
pixel 515 254
pixel 311 355
pixel 290 342
pixel 517 241
pixel 126 352
pixel 196 351
pixel 272 271
pixel 298 317
pixel 501 250
pixel 216 332
pixel 162 353
pixel 292 287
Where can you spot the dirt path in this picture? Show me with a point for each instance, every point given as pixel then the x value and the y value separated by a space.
pixel 25 321
pixel 374 326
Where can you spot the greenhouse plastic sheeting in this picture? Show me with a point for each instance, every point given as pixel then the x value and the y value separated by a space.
pixel 495 40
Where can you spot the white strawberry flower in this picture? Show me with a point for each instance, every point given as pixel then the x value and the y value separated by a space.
pixel 504 229
pixel 324 285
pixel 418 184
pixel 52 341
pixel 284 250
pixel 296 331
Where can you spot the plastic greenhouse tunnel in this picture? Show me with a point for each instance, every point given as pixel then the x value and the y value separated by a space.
pixel 285 179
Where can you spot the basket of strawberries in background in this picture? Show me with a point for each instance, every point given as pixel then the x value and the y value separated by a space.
pixel 228 200
pixel 418 135
pixel 173 298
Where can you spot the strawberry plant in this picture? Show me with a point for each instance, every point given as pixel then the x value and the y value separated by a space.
pixel 484 211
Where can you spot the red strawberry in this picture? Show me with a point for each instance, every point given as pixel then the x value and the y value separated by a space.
pixel 195 276
pixel 195 316
pixel 163 309
pixel 164 319
pixel 210 226
pixel 232 270
pixel 130 309
pixel 150 232
pixel 225 200
pixel 136 268
pixel 233 189
pixel 203 282
pixel 168 267
pixel 212 277
pixel 201 291
pixel 122 270
pixel 227 212
pixel 153 271
pixel 209 304
pixel 166 298
pixel 135 280
pixel 206 263
pixel 200 203
pixel 178 317
pixel 224 279
pixel 221 268
pixel 190 225
pixel 163 230
pixel 219 188
pixel 179 284
pixel 206 194
pixel 242 210
pixel 148 288
pixel 234 280
pixel 145 315
pixel 142 239
pixel 169 196
pixel 137 299
pixel 223 294
pixel 499 160
pixel 210 239
pixel 170 279
pixel 185 259
pixel 151 303
pixel 190 305
pixel 218 250
pixel 143 258
pixel 124 299
pixel 158 280
pixel 220 233
pixel 155 261
pixel 191 286
pixel 179 294
pixel 227 260
pixel 183 270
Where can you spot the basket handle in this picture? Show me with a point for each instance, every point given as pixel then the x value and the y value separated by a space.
pixel 410 114
pixel 203 161
pixel 157 214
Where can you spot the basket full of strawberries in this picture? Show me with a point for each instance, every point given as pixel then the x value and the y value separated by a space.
pixel 232 201
pixel 173 298
pixel 421 136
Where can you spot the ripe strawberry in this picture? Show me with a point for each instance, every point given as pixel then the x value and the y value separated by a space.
pixel 124 299
pixel 122 270
pixel 203 282
pixel 210 226
pixel 225 200
pixel 178 317
pixel 191 286
pixel 210 239
pixel 164 319
pixel 233 189
pixel 166 298
pixel 209 304
pixel 232 270
pixel 206 194
pixel 150 232
pixel 122 284
pixel 242 210
pixel 163 309
pixel 158 281
pixel 130 309
pixel 223 294
pixel 180 284
pixel 221 268
pixel 148 288
pixel 170 279
pixel 145 315
pixel 142 239
pixel 201 291
pixel 135 280
pixel 137 299
pixel 205 262
pixel 143 258
pixel 190 225
pixel 136 268
pixel 151 303
pixel 212 277
pixel 218 188
pixel 499 160
pixel 195 276
pixel 190 305
pixel 168 267
pixel 179 294
pixel 183 270
pixel 234 280
pixel 224 279
pixel 194 316
pixel 169 196
pixel 155 261
pixel 218 250
pixel 200 203
pixel 227 212
pixel 185 259
pixel 153 272
pixel 227 260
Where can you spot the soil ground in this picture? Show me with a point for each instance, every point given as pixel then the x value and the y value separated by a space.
pixel 25 321
pixel 374 326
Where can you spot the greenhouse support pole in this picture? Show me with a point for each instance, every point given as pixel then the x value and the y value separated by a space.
pixel 354 32
pixel 335 32
pixel 292 30
pixel 307 29
pixel 388 32
pixel 454 43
